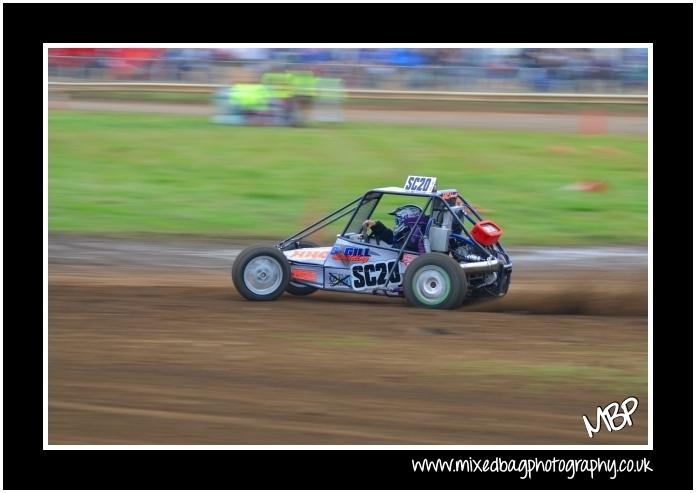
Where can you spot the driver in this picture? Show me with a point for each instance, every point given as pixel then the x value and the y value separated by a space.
pixel 404 219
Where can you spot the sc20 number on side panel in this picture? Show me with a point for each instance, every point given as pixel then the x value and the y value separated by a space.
pixel 371 275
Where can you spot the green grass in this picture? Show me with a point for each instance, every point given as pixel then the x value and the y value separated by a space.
pixel 554 374
pixel 132 173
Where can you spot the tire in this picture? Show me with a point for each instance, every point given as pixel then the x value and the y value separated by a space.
pixel 294 287
pixel 435 281
pixel 261 273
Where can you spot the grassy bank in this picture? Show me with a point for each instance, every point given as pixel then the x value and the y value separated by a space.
pixel 128 173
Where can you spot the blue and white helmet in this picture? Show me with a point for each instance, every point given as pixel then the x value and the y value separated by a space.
pixel 404 218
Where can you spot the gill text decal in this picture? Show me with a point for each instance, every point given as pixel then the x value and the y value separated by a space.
pixel 351 254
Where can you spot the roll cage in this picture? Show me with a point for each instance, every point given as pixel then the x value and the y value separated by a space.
pixel 363 207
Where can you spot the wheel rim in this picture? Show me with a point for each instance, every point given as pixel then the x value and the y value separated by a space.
pixel 431 285
pixel 263 275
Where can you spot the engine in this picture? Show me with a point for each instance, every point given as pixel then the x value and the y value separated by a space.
pixel 464 252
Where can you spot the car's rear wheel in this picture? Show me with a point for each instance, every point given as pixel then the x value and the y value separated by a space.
pixel 434 280
pixel 295 287
pixel 261 273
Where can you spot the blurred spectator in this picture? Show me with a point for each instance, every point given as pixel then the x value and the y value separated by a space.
pixel 279 85
pixel 281 98
pixel 473 69
pixel 304 88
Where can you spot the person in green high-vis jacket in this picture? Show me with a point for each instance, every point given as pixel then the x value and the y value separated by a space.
pixel 303 85
pixel 252 100
pixel 251 97
pixel 279 85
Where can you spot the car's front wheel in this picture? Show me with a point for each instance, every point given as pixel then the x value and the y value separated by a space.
pixel 435 280
pixel 261 273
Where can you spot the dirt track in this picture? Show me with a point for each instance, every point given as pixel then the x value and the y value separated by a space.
pixel 160 355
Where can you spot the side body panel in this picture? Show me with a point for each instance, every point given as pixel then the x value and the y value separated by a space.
pixel 361 267
pixel 307 265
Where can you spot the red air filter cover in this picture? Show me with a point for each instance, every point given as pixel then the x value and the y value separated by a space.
pixel 486 232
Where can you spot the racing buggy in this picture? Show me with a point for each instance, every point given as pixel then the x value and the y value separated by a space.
pixel 445 253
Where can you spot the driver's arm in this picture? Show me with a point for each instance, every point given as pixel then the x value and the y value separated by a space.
pixel 379 230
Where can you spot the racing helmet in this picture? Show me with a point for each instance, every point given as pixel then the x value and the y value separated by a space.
pixel 404 219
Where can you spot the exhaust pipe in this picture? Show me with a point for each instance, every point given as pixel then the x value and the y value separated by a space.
pixel 484 266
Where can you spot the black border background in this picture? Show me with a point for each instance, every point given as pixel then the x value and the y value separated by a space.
pixel 27 26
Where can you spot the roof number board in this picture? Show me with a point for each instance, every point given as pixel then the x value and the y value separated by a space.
pixel 424 184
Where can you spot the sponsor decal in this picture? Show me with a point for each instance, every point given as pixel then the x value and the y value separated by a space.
pixel 407 258
pixel 309 254
pixel 371 275
pixel 351 254
pixel 303 275
pixel 339 280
